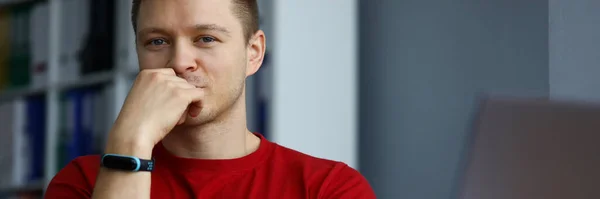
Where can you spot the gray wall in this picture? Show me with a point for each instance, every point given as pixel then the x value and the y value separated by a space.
pixel 422 63
pixel 575 49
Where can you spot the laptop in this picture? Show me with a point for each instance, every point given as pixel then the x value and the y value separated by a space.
pixel 533 149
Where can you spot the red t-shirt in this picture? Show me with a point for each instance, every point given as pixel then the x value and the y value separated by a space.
pixel 272 171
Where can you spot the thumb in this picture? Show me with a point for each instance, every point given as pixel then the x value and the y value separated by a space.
pixel 195 107
pixel 196 94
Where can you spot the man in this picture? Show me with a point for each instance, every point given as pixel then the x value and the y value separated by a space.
pixel 182 130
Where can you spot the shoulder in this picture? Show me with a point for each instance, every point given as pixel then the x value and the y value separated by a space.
pixel 329 178
pixel 76 179
pixel 294 159
pixel 346 182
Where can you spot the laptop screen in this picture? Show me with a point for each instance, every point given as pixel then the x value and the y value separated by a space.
pixel 534 149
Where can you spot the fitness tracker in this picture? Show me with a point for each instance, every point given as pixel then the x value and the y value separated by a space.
pixel 126 163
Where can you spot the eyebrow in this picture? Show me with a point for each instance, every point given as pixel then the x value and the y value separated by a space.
pixel 197 27
pixel 151 30
pixel 212 27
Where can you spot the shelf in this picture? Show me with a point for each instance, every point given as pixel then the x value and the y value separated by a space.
pixel 83 81
pixel 9 3
pixel 12 94
pixel 88 80
pixel 32 187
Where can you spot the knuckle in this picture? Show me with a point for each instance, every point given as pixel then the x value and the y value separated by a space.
pixel 155 77
pixel 179 94
pixel 169 70
pixel 145 72
pixel 140 76
pixel 170 85
pixel 165 70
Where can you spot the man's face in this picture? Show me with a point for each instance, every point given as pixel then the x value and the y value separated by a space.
pixel 203 41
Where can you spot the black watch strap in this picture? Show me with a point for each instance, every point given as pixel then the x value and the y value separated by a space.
pixel 146 165
pixel 126 163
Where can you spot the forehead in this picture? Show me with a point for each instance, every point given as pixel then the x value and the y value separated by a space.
pixel 174 14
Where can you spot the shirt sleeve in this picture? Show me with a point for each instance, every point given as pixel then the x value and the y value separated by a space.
pixel 346 182
pixel 70 182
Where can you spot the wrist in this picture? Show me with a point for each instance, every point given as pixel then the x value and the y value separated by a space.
pixel 129 144
pixel 129 149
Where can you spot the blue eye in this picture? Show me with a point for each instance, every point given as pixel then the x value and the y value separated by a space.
pixel 158 42
pixel 207 39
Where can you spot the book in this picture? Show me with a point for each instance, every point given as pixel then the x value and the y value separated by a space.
pixel 39 44
pixel 98 52
pixel 125 52
pixel 20 55
pixel 83 125
pixel 70 40
pixel 35 129
pixel 5 36
pixel 13 157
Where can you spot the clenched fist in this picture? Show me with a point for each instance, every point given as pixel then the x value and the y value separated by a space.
pixel 157 102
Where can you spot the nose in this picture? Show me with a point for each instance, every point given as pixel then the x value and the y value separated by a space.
pixel 182 59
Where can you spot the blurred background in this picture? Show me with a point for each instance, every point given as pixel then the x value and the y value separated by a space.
pixel 389 87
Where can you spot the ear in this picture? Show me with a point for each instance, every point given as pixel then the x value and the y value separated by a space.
pixel 256 52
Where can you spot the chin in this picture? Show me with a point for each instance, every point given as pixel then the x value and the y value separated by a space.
pixel 212 112
pixel 201 119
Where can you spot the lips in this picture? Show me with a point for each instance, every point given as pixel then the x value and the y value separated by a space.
pixel 198 81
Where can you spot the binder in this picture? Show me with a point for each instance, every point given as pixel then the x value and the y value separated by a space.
pixel 20 54
pixel 39 40
pixel 13 157
pixel 86 134
pixel 73 126
pixel 125 52
pixel 69 64
pixel 98 53
pixel 79 124
pixel 36 131
pixel 5 41
pixel 101 125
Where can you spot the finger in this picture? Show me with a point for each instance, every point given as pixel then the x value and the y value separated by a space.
pixel 180 82
pixel 195 94
pixel 156 75
pixel 166 71
pixel 182 118
pixel 194 109
pixel 175 79
pixel 182 85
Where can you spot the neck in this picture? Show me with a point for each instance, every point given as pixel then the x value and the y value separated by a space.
pixel 226 137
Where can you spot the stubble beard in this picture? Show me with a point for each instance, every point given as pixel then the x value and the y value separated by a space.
pixel 223 104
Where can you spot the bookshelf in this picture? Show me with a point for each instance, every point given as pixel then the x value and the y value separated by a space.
pixel 57 33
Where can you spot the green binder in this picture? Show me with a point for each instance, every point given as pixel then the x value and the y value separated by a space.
pixel 20 56
pixel 4 47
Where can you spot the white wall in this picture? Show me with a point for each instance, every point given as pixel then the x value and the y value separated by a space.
pixel 315 85
pixel 575 49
